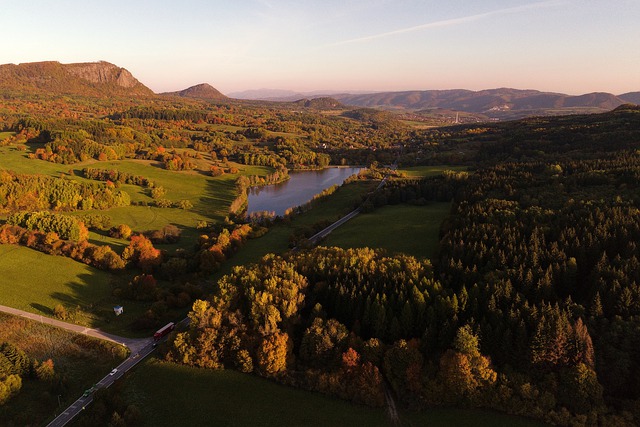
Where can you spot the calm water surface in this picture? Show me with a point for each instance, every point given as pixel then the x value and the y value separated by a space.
pixel 299 189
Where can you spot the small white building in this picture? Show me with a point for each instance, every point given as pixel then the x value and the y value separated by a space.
pixel 118 310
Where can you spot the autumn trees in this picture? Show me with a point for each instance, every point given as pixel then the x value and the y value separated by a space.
pixel 16 366
pixel 285 317
pixel 246 324
pixel 19 192
pixel 65 226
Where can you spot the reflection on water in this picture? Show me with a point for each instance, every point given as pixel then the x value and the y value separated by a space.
pixel 299 189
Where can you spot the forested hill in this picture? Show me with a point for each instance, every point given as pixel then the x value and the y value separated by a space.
pixel 486 101
pixel 87 79
pixel 321 103
pixel 201 91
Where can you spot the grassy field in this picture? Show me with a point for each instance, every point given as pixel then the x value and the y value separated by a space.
pixel 36 282
pixel 210 196
pixel 80 360
pixel 397 228
pixel 16 160
pixel 229 398
pixel 424 171
pixel 144 218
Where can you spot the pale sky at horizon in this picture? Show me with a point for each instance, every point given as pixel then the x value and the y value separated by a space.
pixel 568 46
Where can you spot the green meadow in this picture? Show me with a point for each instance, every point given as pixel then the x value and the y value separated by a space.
pixel 424 171
pixel 36 282
pixel 409 229
pixel 31 278
pixel 5 135
pixel 230 398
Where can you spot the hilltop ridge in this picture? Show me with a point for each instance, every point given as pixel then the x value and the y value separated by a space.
pixel 491 100
pixel 88 78
pixel 199 91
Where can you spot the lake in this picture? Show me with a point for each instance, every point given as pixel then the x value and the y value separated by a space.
pixel 297 190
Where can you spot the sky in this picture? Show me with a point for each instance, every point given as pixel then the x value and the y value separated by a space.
pixel 567 46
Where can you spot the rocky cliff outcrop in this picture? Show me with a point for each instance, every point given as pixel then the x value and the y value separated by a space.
pixel 103 72
pixel 91 79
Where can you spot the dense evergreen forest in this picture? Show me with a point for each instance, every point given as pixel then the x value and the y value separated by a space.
pixel 531 306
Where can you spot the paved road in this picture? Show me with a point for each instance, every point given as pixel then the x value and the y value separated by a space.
pixel 84 400
pixel 139 347
pixel 134 344
pixel 324 233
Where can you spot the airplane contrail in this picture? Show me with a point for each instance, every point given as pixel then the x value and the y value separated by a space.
pixel 451 22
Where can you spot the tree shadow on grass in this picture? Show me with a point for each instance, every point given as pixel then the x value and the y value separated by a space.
pixel 32 147
pixel 42 308
pixel 93 307
pixel 102 238
pixel 158 165
pixel 80 296
pixel 214 203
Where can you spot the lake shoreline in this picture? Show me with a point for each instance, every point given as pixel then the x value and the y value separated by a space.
pixel 299 189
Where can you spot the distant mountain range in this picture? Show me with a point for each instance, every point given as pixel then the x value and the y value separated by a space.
pixel 492 102
pixel 632 97
pixel 487 101
pixel 106 79
pixel 280 95
pixel 90 78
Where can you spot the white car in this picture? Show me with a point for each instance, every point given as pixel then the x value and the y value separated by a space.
pixel 113 372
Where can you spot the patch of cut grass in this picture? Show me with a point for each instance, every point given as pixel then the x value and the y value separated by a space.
pixel 229 398
pixel 17 161
pixel 409 229
pixel 146 218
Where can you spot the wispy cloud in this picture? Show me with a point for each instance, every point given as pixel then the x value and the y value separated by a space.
pixel 453 21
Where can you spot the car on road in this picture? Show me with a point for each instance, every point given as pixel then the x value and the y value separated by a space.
pixel 113 372
pixel 87 392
